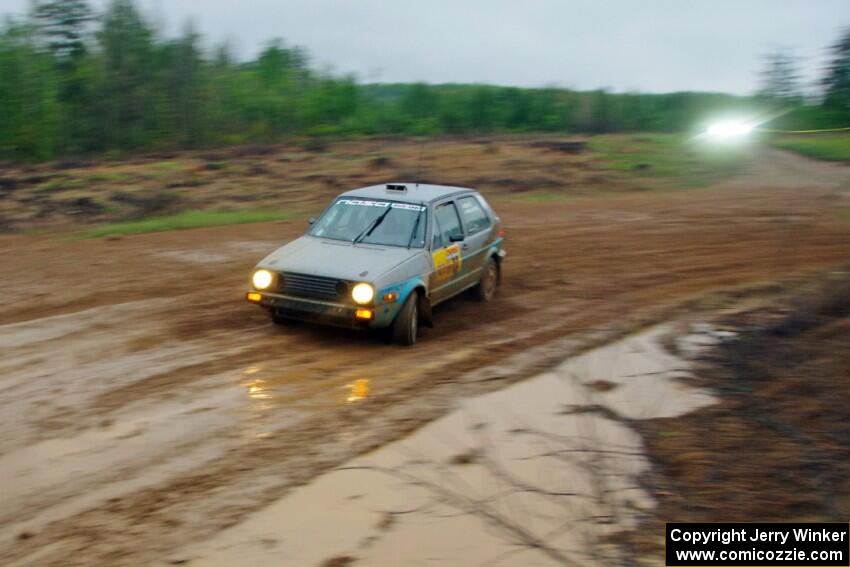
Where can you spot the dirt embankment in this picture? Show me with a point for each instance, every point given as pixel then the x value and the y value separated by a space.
pixel 290 177
pixel 144 405
pixel 776 444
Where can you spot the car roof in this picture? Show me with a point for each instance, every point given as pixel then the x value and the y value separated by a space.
pixel 414 193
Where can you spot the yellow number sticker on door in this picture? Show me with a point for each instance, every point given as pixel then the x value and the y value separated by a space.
pixel 447 262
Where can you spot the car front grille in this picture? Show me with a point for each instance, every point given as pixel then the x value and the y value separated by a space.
pixel 317 287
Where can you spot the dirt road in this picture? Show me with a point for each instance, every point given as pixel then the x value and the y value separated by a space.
pixel 537 474
pixel 145 405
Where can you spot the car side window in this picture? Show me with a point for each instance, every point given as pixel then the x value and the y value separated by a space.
pixel 448 224
pixel 474 215
pixel 437 241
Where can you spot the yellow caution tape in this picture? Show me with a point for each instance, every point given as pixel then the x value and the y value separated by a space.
pixel 801 131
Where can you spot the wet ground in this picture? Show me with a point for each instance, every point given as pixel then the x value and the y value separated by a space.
pixel 145 406
pixel 777 438
pixel 538 473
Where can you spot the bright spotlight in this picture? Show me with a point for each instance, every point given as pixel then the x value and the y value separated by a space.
pixel 729 129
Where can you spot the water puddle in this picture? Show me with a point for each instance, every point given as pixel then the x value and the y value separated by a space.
pixel 272 385
pixel 146 444
pixel 203 257
pixel 535 474
pixel 230 252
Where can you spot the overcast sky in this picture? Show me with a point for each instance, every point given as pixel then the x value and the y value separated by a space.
pixel 643 45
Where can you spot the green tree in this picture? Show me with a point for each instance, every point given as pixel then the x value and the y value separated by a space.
pixel 64 23
pixel 837 80
pixel 125 105
pixel 780 79
pixel 183 76
pixel 30 112
pixel 65 26
pixel 72 84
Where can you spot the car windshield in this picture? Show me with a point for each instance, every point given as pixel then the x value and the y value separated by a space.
pixel 387 223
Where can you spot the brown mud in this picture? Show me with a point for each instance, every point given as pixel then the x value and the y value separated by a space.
pixel 145 406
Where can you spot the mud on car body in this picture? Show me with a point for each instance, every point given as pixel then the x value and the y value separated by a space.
pixel 381 257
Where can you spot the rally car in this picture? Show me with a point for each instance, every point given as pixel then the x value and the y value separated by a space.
pixel 382 257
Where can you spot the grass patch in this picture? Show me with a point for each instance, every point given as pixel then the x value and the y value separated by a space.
pixel 107 177
pixel 165 168
pixel 59 185
pixel 54 186
pixel 186 220
pixel 168 165
pixel 672 159
pixel 829 147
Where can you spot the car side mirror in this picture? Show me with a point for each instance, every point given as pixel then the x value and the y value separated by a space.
pixel 455 238
pixel 312 220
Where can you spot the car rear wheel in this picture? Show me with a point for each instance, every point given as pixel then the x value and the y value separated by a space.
pixel 486 288
pixel 406 324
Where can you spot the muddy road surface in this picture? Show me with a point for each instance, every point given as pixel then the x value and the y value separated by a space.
pixel 145 406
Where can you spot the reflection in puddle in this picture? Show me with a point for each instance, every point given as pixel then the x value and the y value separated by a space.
pixel 279 392
pixel 257 389
pixel 357 390
pixel 258 392
pixel 286 386
pixel 553 462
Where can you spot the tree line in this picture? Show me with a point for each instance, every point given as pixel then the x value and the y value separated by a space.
pixel 73 82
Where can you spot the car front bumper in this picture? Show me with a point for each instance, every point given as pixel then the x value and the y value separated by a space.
pixel 317 311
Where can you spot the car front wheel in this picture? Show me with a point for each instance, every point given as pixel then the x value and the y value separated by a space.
pixel 486 288
pixel 277 318
pixel 406 324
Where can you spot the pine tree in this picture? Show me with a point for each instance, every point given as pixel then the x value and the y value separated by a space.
pixel 127 88
pixel 837 80
pixel 780 79
pixel 63 23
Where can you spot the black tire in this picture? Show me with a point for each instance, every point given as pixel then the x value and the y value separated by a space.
pixel 406 324
pixel 278 319
pixel 486 288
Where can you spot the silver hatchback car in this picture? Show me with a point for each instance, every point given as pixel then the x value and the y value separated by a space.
pixel 381 257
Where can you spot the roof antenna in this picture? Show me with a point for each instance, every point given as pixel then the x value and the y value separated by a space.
pixel 419 164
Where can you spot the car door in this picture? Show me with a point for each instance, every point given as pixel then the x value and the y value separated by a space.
pixel 477 236
pixel 446 233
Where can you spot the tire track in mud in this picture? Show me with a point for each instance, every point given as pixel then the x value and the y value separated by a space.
pixel 225 411
pixel 247 475
pixel 204 500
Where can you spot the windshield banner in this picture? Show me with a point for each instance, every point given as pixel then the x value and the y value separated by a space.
pixel 381 204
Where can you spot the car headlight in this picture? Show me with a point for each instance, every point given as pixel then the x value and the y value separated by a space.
pixel 262 279
pixel 362 293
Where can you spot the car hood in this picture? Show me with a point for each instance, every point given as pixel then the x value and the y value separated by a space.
pixel 336 259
